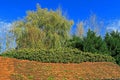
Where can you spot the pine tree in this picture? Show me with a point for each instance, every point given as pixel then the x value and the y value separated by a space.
pixel 93 43
pixel 112 40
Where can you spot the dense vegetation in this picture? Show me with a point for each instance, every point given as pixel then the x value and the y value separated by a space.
pixel 45 32
pixel 110 45
pixel 113 44
pixel 65 55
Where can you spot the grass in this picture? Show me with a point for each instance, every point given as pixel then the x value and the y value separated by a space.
pixel 30 77
pixel 50 77
pixel 17 76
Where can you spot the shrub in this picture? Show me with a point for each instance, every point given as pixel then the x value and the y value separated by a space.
pixel 61 55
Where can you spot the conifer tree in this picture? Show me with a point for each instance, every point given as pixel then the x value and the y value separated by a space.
pixel 112 40
pixel 93 43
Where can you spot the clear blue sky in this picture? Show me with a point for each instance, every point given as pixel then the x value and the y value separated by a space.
pixel 76 9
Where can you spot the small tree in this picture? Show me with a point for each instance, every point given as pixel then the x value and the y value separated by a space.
pixel 80 30
pixel 94 23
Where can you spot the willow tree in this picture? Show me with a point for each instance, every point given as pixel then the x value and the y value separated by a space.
pixel 42 28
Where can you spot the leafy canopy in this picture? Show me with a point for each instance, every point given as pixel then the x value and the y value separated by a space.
pixel 113 43
pixel 42 29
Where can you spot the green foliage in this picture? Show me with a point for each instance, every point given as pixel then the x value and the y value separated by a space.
pixel 42 29
pixel 62 55
pixel 50 77
pixel 75 42
pixel 112 40
pixel 93 43
pixel 90 43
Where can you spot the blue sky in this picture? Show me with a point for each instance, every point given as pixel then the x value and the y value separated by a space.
pixel 76 9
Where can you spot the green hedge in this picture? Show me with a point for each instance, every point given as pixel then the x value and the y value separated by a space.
pixel 57 55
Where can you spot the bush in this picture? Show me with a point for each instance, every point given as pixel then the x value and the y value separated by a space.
pixel 61 55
